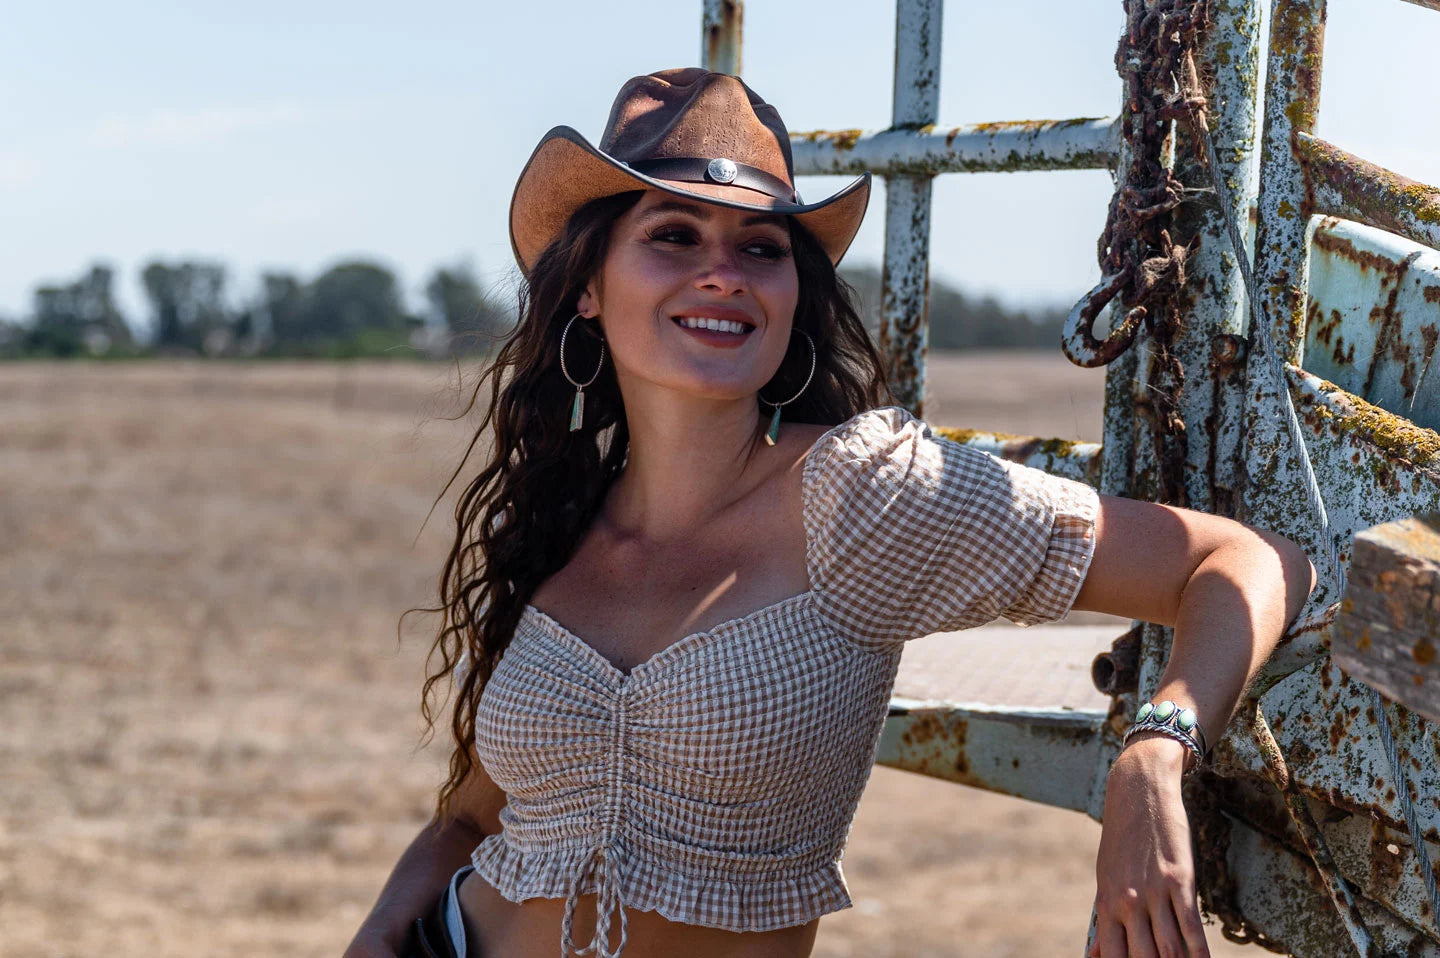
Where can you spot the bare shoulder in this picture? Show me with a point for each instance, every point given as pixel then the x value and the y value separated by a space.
pixel 798 438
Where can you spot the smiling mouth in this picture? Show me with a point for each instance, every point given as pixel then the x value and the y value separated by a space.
pixel 729 327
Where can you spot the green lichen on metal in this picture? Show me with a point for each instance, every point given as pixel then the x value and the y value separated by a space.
pixel 1301 115
pixel 1059 448
pixel 1396 436
pixel 838 139
pixel 1423 200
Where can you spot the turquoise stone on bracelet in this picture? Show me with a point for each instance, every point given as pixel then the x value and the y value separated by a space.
pixel 1144 712
pixel 1164 710
pixel 1186 720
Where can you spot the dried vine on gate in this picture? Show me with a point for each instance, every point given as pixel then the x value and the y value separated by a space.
pixel 1144 268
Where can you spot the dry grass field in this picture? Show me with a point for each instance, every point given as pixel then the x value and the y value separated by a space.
pixel 208 727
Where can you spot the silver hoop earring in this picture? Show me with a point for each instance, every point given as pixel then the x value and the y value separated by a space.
pixel 577 408
pixel 773 433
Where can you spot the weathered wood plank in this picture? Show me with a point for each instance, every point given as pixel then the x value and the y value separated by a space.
pixel 1388 629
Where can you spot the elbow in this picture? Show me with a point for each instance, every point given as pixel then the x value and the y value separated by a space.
pixel 1297 573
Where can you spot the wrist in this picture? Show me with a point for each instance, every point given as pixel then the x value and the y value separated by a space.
pixel 1158 754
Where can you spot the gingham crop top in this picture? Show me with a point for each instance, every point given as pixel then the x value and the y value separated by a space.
pixel 716 782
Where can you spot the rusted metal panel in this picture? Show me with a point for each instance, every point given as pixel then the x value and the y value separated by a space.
pixel 905 281
pixel 1342 184
pixel 1084 143
pixel 721 30
pixel 1273 494
pixel 1045 756
pixel 1281 897
pixel 1323 722
pixel 1389 624
pixel 1273 497
pixel 1373 466
pixel 1292 98
pixel 1373 319
pixel 1060 457
pixel 1342 896
pixel 1378 861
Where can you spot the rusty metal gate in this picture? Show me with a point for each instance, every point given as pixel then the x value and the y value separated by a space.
pixel 1316 822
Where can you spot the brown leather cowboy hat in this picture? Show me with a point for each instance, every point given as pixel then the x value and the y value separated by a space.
pixel 690 132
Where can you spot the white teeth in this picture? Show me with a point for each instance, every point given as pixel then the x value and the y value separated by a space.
pixel 707 322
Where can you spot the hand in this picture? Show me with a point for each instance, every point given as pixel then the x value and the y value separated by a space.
pixel 1145 900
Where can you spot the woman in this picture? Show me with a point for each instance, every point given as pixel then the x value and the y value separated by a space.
pixel 683 581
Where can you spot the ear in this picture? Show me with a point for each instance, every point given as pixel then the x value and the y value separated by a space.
pixel 588 303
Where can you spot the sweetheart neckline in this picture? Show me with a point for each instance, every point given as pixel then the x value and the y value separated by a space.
pixel 550 624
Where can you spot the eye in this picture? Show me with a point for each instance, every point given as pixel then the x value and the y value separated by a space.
pixel 768 250
pixel 678 235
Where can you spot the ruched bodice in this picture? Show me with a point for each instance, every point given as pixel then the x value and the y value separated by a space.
pixel 715 782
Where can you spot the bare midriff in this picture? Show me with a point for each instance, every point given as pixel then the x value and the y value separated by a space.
pixel 496 927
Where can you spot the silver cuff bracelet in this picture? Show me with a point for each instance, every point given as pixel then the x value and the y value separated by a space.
pixel 1170 720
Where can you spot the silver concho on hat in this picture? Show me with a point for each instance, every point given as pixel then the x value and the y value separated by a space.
pixel 721 170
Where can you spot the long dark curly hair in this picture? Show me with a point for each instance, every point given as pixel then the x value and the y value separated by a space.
pixel 519 520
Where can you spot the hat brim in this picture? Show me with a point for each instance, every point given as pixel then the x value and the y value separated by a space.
pixel 565 172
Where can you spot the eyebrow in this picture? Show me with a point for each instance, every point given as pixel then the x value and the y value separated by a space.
pixel 704 212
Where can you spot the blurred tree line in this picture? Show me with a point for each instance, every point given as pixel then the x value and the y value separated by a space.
pixel 355 308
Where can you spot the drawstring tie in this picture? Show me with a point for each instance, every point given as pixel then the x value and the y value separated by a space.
pixel 607 903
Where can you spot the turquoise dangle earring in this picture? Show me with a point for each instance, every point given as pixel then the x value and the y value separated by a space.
pixel 773 433
pixel 577 408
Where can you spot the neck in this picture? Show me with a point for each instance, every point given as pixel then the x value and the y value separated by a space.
pixel 689 459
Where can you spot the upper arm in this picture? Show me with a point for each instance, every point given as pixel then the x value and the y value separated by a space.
pixel 1145 553
pixel 478 801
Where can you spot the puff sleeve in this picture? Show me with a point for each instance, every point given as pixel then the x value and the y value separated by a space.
pixel 908 533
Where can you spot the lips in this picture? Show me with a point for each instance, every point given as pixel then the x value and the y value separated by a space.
pixel 733 327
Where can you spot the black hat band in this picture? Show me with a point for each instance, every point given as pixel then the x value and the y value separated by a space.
pixel 690 169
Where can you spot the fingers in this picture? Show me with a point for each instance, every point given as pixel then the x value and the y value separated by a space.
pixel 1165 929
pixel 1138 939
pixel 1109 939
pixel 1192 930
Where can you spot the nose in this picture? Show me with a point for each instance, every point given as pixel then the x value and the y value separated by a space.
pixel 721 272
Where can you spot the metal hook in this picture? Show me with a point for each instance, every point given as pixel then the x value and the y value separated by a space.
pixel 1078 339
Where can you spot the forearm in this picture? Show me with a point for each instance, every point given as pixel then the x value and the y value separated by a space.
pixel 1232 613
pixel 417 879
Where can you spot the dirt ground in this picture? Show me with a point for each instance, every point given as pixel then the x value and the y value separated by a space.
pixel 208 725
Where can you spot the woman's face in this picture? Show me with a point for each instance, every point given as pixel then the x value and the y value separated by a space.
pixel 675 264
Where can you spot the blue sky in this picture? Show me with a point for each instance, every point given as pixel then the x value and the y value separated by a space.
pixel 290 135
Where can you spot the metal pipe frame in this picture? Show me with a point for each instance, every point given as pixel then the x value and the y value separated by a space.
pixel 721 31
pixel 1292 94
pixel 1059 457
pixel 1342 184
pixel 1043 755
pixel 905 280
pixel 1084 143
